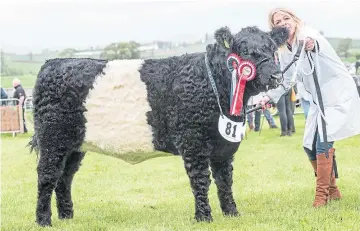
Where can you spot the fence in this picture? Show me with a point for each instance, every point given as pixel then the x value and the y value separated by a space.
pixel 28 104
pixel 11 116
pixel 10 91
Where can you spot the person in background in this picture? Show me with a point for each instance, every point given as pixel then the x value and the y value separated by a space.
pixel 339 95
pixel 357 66
pixel 3 96
pixel 250 117
pixel 286 114
pixel 20 94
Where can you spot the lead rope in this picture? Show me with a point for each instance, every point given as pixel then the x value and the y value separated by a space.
pixel 213 84
pixel 262 122
pixel 298 54
pixel 320 105
pixel 316 71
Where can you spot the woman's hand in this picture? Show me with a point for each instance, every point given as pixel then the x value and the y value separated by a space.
pixel 309 44
pixel 265 99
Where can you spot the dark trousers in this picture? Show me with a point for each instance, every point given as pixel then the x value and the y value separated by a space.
pixel 285 109
pixel 23 114
pixel 257 119
pixel 318 147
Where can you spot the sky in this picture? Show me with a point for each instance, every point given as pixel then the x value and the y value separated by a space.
pixel 34 25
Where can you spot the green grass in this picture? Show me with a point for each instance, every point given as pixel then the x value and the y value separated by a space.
pixel 26 67
pixel 29 72
pixel 27 81
pixel 351 59
pixel 273 188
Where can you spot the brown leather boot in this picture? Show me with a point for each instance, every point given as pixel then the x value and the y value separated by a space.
pixel 323 172
pixel 334 193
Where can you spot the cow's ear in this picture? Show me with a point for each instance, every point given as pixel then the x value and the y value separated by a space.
pixel 279 35
pixel 224 38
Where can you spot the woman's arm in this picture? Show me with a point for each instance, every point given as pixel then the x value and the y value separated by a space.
pixel 276 93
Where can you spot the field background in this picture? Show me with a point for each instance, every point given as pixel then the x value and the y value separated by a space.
pixel 273 187
pixel 273 180
pixel 26 66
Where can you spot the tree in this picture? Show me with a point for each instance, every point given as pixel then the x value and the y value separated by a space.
pixel 2 62
pixel 121 50
pixel 344 46
pixel 68 53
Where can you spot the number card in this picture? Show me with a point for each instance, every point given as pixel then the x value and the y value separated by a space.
pixel 230 130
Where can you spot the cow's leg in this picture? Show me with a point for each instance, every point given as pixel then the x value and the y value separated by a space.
pixel 196 162
pixel 222 173
pixel 56 141
pixel 50 167
pixel 63 188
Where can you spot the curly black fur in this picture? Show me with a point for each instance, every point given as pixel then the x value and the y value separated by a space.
pixel 184 116
pixel 279 35
pixel 59 123
pixel 185 113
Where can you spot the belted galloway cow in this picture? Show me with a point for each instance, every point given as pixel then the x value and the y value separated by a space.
pixel 190 105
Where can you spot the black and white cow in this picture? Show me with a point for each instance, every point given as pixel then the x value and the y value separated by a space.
pixel 165 104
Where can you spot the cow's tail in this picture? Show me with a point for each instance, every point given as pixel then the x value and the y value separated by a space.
pixel 33 144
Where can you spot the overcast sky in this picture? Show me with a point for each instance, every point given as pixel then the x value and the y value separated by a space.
pixel 33 25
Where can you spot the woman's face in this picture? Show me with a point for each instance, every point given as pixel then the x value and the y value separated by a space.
pixel 285 20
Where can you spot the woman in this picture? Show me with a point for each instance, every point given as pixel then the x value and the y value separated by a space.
pixel 340 98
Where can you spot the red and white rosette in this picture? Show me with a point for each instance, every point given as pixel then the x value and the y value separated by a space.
pixel 246 71
pixel 233 61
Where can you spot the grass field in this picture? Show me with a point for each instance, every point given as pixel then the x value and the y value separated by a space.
pixel 26 67
pixel 273 188
pixel 27 81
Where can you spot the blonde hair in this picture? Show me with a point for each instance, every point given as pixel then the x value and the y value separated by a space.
pixel 284 11
pixel 297 20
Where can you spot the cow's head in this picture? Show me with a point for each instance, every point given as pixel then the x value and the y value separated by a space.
pixel 258 47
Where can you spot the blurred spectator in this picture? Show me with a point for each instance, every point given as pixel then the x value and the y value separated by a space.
pixel 3 96
pixel 21 96
pixel 250 117
pixel 357 82
pixel 286 114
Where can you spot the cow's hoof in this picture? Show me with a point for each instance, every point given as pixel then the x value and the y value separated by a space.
pixel 231 213
pixel 203 218
pixel 44 221
pixel 66 215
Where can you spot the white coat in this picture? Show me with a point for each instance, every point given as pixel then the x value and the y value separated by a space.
pixel 339 93
pixel 301 92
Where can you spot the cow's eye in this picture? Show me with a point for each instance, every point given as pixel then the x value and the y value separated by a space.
pixel 243 50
